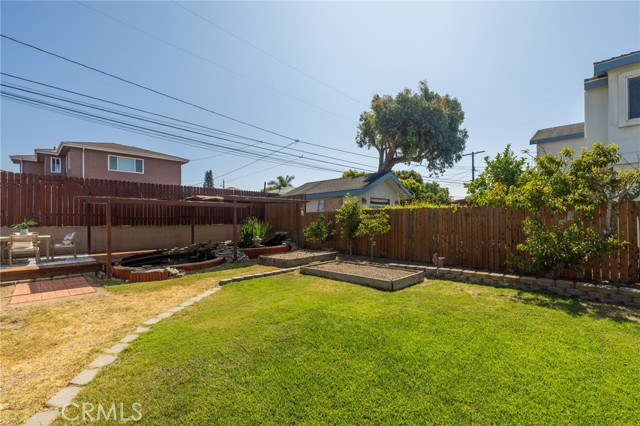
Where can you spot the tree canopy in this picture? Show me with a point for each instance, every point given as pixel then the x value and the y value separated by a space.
pixel 353 173
pixel 414 127
pixel 500 175
pixel 579 187
pixel 280 182
pixel 208 179
pixel 429 192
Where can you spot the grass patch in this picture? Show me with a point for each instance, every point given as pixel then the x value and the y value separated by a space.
pixel 297 349
pixel 43 347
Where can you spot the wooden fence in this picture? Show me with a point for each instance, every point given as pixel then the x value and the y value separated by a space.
pixel 478 238
pixel 52 201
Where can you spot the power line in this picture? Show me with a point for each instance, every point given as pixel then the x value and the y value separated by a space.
pixel 146 130
pixel 226 133
pixel 157 92
pixel 230 70
pixel 248 43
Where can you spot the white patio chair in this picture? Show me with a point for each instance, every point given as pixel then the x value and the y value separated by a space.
pixel 23 244
pixel 67 243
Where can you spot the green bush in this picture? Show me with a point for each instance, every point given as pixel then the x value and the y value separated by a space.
pixel 253 227
pixel 557 247
pixel 318 231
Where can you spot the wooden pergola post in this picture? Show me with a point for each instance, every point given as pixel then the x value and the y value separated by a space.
pixel 87 218
pixel 193 221
pixel 235 231
pixel 109 265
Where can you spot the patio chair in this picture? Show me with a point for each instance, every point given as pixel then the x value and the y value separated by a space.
pixel 23 244
pixel 67 242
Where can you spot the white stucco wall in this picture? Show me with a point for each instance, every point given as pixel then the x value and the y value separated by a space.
pixel 605 112
pixel 555 147
pixel 606 118
pixel 388 189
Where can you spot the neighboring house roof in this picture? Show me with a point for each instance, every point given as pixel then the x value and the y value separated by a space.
pixel 99 146
pixel 560 133
pixel 615 62
pixel 343 186
pixel 601 69
pixel 282 191
pixel 17 158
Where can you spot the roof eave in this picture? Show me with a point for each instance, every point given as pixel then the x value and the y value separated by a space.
pixel 122 151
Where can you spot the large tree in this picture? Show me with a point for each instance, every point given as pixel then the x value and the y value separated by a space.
pixel 414 127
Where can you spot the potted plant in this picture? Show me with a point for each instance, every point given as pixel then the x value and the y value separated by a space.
pixel 253 231
pixel 23 226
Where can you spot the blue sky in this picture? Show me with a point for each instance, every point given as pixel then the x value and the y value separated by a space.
pixel 306 71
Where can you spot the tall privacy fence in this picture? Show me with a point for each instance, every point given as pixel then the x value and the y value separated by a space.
pixel 478 238
pixel 53 201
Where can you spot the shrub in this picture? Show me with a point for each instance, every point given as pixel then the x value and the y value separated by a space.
pixel 253 227
pixel 373 225
pixel 348 216
pixel 318 231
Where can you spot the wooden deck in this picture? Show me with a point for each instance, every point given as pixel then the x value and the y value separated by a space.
pixel 19 273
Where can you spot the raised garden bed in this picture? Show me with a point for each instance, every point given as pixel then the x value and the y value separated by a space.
pixel 254 252
pixel 380 277
pixel 137 274
pixel 296 258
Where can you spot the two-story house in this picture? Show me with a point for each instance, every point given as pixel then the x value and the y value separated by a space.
pixel 99 160
pixel 611 112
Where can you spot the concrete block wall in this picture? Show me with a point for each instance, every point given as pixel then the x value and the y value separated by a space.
pixel 606 293
pixel 131 238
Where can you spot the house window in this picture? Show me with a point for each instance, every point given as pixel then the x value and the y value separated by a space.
pixel 321 205
pixel 56 166
pixel 633 91
pixel 379 202
pixel 126 164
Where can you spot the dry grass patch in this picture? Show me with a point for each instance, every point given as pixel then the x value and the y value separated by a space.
pixel 44 346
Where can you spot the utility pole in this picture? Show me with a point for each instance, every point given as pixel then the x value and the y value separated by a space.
pixel 473 163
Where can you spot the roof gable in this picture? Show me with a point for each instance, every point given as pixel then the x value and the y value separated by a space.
pixel 559 133
pixel 342 186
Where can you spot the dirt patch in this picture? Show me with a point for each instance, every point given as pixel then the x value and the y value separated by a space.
pixel 376 276
pixel 296 258
pixel 364 270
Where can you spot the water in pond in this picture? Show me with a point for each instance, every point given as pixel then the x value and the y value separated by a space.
pixel 159 259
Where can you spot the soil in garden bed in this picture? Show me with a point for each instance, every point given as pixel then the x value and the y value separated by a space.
pixel 365 270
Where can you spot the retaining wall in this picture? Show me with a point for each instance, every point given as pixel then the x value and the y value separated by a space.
pixel 628 295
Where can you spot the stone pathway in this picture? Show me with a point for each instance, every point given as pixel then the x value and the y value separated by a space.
pixel 65 396
pixel 35 291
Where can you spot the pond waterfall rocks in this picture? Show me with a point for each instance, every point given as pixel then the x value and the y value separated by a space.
pixel 207 251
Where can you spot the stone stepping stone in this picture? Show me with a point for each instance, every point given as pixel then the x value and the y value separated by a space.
pixel 117 348
pixel 43 418
pixel 166 314
pixel 141 330
pixel 84 377
pixel 152 321
pixel 103 361
pixel 129 338
pixel 63 397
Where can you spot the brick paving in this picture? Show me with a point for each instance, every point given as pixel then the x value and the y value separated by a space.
pixel 52 289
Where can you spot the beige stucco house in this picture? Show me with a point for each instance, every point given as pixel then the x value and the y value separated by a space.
pixel 99 160
pixel 611 112
pixel 372 190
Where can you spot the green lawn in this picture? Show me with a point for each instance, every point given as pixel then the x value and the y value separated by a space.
pixel 293 349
